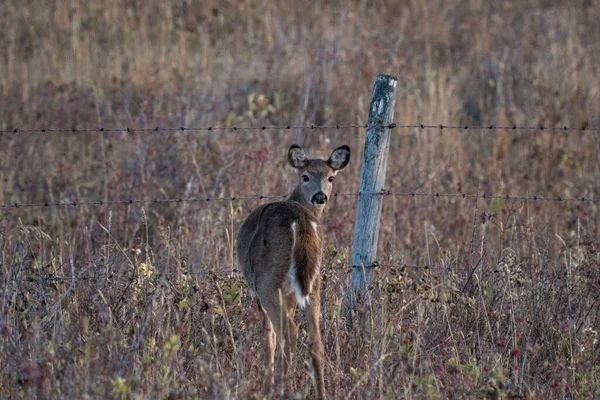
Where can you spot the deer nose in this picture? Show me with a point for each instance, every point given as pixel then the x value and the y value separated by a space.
pixel 319 198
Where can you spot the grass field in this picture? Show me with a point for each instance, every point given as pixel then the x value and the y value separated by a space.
pixel 139 301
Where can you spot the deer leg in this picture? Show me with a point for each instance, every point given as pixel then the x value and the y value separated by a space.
pixel 291 312
pixel 271 338
pixel 285 330
pixel 291 305
pixel 314 334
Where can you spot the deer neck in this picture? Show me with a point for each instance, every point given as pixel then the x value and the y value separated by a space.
pixel 297 197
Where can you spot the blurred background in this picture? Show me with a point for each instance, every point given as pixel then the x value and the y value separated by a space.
pixel 143 64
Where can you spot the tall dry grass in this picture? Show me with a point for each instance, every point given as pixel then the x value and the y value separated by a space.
pixel 129 301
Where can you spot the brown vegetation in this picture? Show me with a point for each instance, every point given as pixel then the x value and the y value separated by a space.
pixel 133 301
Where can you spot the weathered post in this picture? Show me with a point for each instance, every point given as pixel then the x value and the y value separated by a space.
pixel 372 180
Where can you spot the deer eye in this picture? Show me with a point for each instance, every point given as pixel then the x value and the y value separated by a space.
pixel 331 178
pixel 305 178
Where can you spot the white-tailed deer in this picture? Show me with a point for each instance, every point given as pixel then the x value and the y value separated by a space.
pixel 279 248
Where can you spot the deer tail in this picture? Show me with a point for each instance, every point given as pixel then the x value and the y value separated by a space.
pixel 306 258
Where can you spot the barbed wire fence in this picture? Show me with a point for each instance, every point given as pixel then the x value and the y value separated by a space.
pixel 13 132
pixel 563 128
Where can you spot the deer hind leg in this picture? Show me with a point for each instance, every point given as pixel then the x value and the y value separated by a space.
pixel 314 334
pixel 285 330
pixel 271 342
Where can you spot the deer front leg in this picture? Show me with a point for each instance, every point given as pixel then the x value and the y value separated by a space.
pixel 291 305
pixel 314 334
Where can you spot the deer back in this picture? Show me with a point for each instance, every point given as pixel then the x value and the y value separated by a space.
pixel 279 246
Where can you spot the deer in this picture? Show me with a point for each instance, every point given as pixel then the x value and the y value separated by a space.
pixel 279 248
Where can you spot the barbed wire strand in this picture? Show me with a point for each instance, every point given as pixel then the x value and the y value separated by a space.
pixel 400 267
pixel 191 129
pixel 336 195
pixel 140 201
pixel 489 127
pixel 495 270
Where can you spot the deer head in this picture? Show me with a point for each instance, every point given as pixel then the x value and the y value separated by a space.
pixel 316 176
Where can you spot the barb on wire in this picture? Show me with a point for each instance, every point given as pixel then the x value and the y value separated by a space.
pixel 488 127
pixel 483 196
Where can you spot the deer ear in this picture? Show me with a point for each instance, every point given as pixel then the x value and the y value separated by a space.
pixel 339 158
pixel 297 156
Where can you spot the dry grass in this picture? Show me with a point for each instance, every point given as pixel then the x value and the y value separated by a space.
pixel 128 301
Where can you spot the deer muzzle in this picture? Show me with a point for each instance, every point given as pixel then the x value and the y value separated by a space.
pixel 319 198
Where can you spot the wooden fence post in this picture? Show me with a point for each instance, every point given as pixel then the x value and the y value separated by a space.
pixel 372 180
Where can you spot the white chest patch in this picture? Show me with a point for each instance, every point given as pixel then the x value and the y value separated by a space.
pixel 314 226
